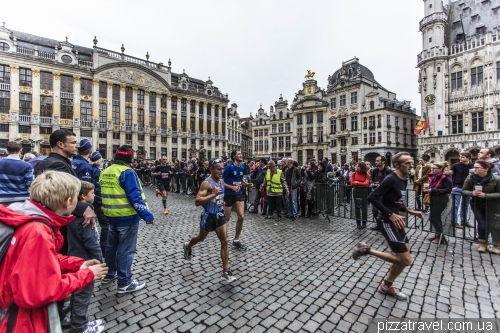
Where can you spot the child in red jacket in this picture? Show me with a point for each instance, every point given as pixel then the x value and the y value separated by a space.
pixel 32 273
pixel 360 182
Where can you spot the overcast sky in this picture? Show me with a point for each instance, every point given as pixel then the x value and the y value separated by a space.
pixel 253 49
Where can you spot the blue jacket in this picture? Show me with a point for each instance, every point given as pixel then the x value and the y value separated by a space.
pixel 16 177
pixel 82 168
pixel 96 172
pixel 130 183
pixel 83 242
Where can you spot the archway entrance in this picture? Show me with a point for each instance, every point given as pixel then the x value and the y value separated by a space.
pixel 370 157
pixel 474 153
pixel 452 157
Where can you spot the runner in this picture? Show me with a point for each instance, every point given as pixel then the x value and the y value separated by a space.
pixel 233 181
pixel 211 198
pixel 389 199
pixel 162 173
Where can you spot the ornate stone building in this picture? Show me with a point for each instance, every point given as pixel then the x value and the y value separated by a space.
pixel 108 97
pixel 261 127
pixel 459 78
pixel 233 129
pixel 246 137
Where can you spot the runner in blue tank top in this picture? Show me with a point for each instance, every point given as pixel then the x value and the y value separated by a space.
pixel 211 198
pixel 233 181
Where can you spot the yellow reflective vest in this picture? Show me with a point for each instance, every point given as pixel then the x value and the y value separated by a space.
pixel 273 184
pixel 114 198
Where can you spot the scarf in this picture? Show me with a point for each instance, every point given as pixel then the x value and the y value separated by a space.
pixel 482 180
pixel 434 179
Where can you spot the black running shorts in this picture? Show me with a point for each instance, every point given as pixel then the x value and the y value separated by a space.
pixel 230 200
pixel 163 186
pixel 396 238
pixel 210 222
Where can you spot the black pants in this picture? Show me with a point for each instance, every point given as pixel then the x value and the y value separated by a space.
pixel 419 198
pixel 304 203
pixel 275 203
pixel 104 224
pixel 80 301
pixel 437 208
pixel 360 195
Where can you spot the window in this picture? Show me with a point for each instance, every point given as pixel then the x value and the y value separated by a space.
pixel 163 120
pixel 320 117
pixel 183 104
pixel 287 142
pixel 476 75
pixel 299 119
pixel 152 119
pixel 372 105
pixel 354 97
pixel 498 70
pixel 397 137
pixel 128 116
pixel 266 145
pixel 45 130
pixel 342 100
pixel 299 136
pixel 456 81
pixel 343 142
pixel 397 121
pixel 4 74
pixel 103 113
pixel 287 127
pixel 46 106
pixel 354 140
pixel 365 123
pixel 192 108
pixel 333 126
pixel 86 87
pixel 320 133
pixel 334 143
pixel 309 118
pixel 274 143
pixel 372 137
pixel 86 112
pixel 309 135
pixel 388 120
pixel 103 89
pixel 163 101
pixel 192 124
pixel 46 80
pixel 430 39
pixel 4 128
pixel 116 93
pixel 184 125
pixel 273 128
pixel 25 104
pixel 343 124
pixel 140 118
pixel 498 119
pixel 404 123
pixel 115 113
pixel 379 121
pixel 281 128
pixel 365 138
pixel 379 136
pixel 66 83
pixel 24 129
pixel 140 96
pixel 477 122
pixel 333 103
pixel 66 108
pixel 4 47
pixel 25 77
pixel 174 103
pixel 372 122
pixel 86 133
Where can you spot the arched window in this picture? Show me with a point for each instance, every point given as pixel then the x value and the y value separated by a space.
pixel 281 114
pixel 372 105
pixel 300 157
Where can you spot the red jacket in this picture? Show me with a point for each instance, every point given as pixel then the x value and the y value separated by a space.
pixel 32 273
pixel 363 179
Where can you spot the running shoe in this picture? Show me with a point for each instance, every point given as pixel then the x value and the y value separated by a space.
pixel 165 211
pixel 134 286
pixel 107 279
pixel 96 322
pixel 187 253
pixel 228 277
pixel 157 192
pixel 360 250
pixel 392 291
pixel 237 245
pixel 94 329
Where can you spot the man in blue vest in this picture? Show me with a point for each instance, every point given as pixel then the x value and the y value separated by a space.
pixel 124 205
pixel 233 182
pixel 211 197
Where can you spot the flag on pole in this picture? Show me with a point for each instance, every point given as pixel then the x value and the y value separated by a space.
pixel 422 124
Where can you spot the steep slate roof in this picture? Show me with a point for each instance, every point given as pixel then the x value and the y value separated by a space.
pixel 365 72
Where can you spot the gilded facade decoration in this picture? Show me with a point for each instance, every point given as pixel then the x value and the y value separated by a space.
pixel 56 75
pixel 35 72
pixel 103 100
pixel 76 79
pixel 25 90
pixel 140 106
pixel 85 97
pixel 14 69
pixel 95 81
pixel 133 76
pixel 128 104
pixel 46 92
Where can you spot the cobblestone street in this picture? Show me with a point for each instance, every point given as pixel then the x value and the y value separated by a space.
pixel 295 277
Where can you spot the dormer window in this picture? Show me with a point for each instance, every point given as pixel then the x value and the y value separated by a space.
pixel 4 47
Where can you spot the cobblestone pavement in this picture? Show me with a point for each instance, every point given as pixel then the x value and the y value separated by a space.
pixel 295 277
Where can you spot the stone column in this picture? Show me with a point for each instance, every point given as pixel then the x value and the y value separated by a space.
pixel 204 105
pixel 169 114
pixel 35 105
pixel 109 107
pixel 122 114
pixel 178 118
pixel 188 115
pixel 134 118
pixel 197 116
pixel 14 89
pixel 56 89
pixel 146 122
pixel 212 116
pixel 76 98
pixel 158 119
pixel 95 113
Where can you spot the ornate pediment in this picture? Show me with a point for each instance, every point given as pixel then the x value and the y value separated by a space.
pixel 132 76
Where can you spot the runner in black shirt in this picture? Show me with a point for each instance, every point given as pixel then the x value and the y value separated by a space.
pixel 162 173
pixel 389 199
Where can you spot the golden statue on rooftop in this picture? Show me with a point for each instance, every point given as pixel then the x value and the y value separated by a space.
pixel 309 75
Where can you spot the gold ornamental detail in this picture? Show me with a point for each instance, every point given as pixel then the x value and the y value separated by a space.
pixel 169 96
pixel 76 79
pixel 35 71
pixel 128 104
pixel 4 117
pixel 123 86
pixel 342 111
pixel 164 110
pixel 66 122
pixel 25 90
pixel 355 107
pixel 25 137
pixel 192 115
pixel 146 92
pixel 134 89
pixel 14 68
pixel 197 103
pixel 110 84
pixel 46 92
pixel 85 97
pixel 103 100
pixel 116 127
pixel 56 75
pixel 174 111
pixel 140 106
pixel 45 137
pixel 95 81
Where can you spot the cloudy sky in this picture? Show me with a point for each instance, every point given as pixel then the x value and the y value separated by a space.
pixel 253 49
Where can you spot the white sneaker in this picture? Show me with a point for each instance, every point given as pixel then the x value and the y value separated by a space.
pixel 228 277
pixel 94 329
pixel 96 322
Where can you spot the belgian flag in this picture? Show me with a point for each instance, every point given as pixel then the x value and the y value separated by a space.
pixel 422 124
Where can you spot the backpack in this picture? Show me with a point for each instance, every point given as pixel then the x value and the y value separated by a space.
pixel 6 234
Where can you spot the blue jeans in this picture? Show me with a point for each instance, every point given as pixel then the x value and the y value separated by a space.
pixel 120 250
pixel 456 194
pixel 292 203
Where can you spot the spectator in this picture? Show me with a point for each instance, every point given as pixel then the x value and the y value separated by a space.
pixel 274 185
pixel 16 176
pixel 360 181
pixel 488 154
pixel 439 188
pixel 377 175
pixel 459 172
pixel 485 203
pixel 293 177
pixel 124 205
pixel 32 273
pixel 309 175
pixel 80 162
pixel 28 157
pixel 346 175
pixel 182 177
pixel 421 177
pixel 83 243
pixel 258 175
pixel 96 162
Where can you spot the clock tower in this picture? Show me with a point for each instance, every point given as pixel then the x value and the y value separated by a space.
pixel 432 62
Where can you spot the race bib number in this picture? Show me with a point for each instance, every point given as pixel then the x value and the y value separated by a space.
pixel 219 200
pixel 237 184
pixel 165 175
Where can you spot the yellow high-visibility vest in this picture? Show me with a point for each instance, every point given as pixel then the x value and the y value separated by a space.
pixel 273 184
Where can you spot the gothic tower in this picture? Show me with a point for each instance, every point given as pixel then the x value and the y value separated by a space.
pixel 432 62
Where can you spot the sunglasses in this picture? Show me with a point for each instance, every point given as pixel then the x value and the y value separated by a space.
pixel 217 160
